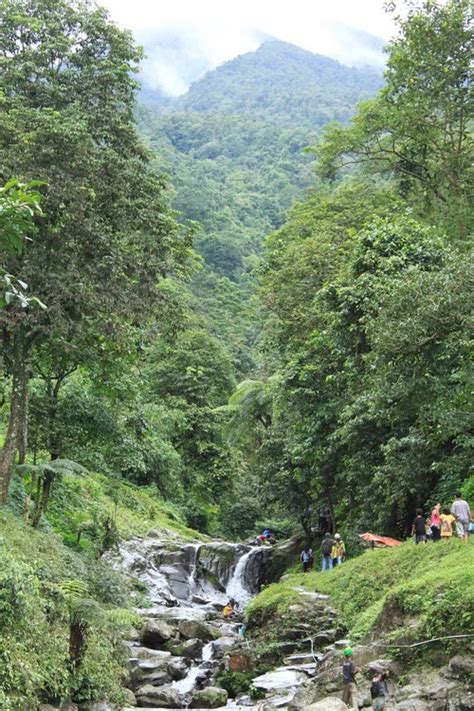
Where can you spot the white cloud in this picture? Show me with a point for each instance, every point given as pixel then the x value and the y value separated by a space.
pixel 213 31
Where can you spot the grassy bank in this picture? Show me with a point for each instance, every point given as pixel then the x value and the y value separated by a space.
pixel 54 585
pixel 414 592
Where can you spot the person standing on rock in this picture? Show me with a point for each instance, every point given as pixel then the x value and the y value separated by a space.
pixel 306 558
pixel 349 671
pixel 460 509
pixel 326 550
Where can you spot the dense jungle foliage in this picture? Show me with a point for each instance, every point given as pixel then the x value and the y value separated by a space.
pixel 204 325
pixel 191 333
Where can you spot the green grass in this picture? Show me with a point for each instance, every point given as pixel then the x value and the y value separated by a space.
pixel 80 501
pixel 432 585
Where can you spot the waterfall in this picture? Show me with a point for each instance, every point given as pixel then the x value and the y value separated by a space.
pixel 236 587
pixel 195 547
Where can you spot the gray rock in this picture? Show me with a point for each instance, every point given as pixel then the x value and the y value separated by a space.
pixel 211 697
pixel 461 666
pixel 149 696
pixel 155 633
pixel 194 629
pixel 178 668
pixel 130 698
pixel 330 703
pixel 222 645
pixel 192 648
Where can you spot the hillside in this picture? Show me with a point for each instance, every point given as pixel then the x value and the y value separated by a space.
pixel 233 147
pixel 284 84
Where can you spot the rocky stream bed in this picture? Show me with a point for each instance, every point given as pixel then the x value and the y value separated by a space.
pixel 184 641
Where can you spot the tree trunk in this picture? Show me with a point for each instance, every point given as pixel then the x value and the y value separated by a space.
pixel 77 642
pixel 23 419
pixel 16 424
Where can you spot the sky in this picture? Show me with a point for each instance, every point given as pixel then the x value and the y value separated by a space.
pixel 184 38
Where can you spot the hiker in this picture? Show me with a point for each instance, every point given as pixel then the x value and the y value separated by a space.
pixel 230 610
pixel 379 691
pixel 435 523
pixel 326 550
pixel 349 671
pixel 418 529
pixel 460 509
pixel 306 558
pixel 338 552
pixel 447 520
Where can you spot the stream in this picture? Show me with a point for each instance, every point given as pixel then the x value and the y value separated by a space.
pixel 185 640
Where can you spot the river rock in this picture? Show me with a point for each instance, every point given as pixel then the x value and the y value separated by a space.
pixel 178 668
pixel 130 698
pixel 330 703
pixel 155 633
pixel 192 648
pixel 211 697
pixel 217 562
pixel 149 696
pixel 194 629
pixel 222 645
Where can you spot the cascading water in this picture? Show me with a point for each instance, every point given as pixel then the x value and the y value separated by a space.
pixel 236 588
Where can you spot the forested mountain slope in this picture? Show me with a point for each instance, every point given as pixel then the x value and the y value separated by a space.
pixel 234 149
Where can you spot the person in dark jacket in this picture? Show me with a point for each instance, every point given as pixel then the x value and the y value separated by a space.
pixel 349 671
pixel 306 558
pixel 326 550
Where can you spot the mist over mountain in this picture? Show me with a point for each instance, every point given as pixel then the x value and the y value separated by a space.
pixel 178 56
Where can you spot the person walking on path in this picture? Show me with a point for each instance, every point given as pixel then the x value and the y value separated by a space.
pixel 306 558
pixel 447 520
pixel 460 509
pixel 338 553
pixel 435 523
pixel 349 671
pixel 326 550
pixel 418 528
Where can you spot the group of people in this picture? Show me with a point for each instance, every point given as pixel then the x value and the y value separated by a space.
pixel 266 537
pixel 443 522
pixel 378 688
pixel 333 552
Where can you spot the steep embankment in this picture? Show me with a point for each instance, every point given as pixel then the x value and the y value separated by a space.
pixel 386 601
pixel 378 591
pixel 63 610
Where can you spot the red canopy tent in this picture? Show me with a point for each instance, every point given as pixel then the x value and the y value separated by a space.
pixel 379 540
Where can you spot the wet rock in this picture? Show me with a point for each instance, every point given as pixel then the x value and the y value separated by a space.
pixel 145 653
pixel 279 679
pixel 149 696
pixel 178 668
pixel 68 706
pixel 199 600
pixel 178 580
pixel 239 662
pixel 98 706
pixel 155 633
pixel 194 629
pixel 222 645
pixel 211 697
pixel 325 637
pixel 192 649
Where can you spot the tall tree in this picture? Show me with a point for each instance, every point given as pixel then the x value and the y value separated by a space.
pixel 419 125
pixel 107 235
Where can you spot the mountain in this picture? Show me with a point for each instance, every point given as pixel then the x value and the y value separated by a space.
pixel 233 146
pixel 283 84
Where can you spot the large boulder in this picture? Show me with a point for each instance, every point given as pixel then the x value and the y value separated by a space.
pixel 155 633
pixel 178 668
pixel 192 649
pixel 217 561
pixel 195 629
pixel 149 696
pixel 212 697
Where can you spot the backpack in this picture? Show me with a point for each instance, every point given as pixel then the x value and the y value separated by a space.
pixel 326 546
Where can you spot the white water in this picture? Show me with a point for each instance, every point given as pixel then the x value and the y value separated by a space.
pixel 236 586
pixel 193 569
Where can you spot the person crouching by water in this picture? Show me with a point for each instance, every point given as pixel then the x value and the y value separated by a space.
pixel 349 671
pixel 338 550
pixel 326 550
pixel 379 691
pixel 306 558
pixel 230 610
